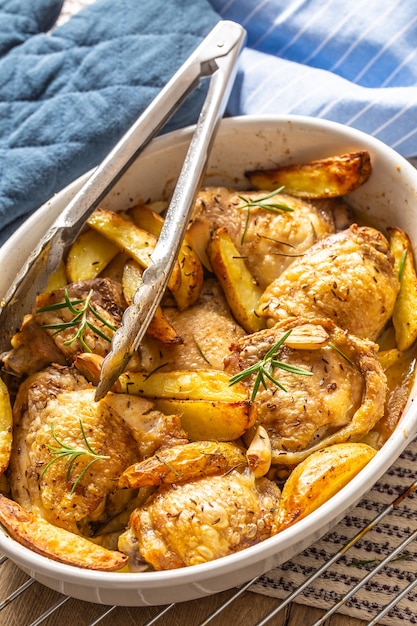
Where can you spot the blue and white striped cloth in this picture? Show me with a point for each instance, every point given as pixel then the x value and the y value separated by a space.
pixel 67 93
pixel 350 62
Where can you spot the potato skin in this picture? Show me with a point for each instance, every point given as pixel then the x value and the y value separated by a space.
pixel 56 543
pixel 211 419
pixel 320 476
pixel 404 316
pixel 183 463
pixel 240 288
pixel 330 177
pixel 6 425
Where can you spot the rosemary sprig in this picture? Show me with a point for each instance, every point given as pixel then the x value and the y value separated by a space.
pixel 275 207
pixel 79 320
pixel 402 265
pixel 263 369
pixel 200 351
pixel 62 451
pixel 341 353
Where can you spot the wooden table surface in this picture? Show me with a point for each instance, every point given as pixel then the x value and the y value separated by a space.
pixel 247 610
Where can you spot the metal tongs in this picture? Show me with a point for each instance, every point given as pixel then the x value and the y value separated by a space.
pixel 215 58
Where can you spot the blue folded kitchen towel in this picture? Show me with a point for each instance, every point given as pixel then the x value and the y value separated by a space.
pixel 68 95
pixel 350 62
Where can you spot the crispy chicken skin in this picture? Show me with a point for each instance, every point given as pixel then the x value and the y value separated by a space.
pixel 341 401
pixel 269 240
pixel 200 349
pixel 35 347
pixel 62 397
pixel 348 277
pixel 194 522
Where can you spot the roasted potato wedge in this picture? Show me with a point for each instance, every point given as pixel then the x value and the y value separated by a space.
pixel 241 291
pixel 160 327
pixel 204 415
pixel 148 219
pixel 54 542
pixel 212 385
pixel 6 426
pixel 131 279
pixel 318 478
pixel 404 317
pixel 90 253
pixel 190 266
pixel 388 358
pixel 130 239
pixel 323 178
pixel 184 462
pixel 210 419
pixel 199 233
pixel 57 279
pixel 114 270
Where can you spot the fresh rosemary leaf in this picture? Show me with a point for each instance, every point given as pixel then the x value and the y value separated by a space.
pixel 62 451
pixel 341 353
pixel 80 308
pixel 275 207
pixel 265 367
pixel 402 265
pixel 200 351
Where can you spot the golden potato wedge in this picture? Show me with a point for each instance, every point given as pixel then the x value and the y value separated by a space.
pixel 210 419
pixel 388 358
pixel 6 426
pixel 323 178
pixel 54 542
pixel 130 239
pixel 320 476
pixel 192 276
pixel 204 414
pixel 90 253
pixel 131 279
pixel 241 291
pixel 114 270
pixel 191 269
pixel 160 327
pixel 212 385
pixel 184 462
pixel 158 206
pixel 199 233
pixel 58 279
pixel 404 318
pixel 148 219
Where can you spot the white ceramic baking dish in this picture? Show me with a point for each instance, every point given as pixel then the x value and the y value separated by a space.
pixel 389 198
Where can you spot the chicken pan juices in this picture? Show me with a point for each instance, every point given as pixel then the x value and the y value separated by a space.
pixel 278 363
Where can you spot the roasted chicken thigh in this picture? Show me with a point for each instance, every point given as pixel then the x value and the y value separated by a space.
pixel 198 521
pixel 55 411
pixel 348 277
pixel 38 343
pixel 341 399
pixel 269 239
pixel 207 329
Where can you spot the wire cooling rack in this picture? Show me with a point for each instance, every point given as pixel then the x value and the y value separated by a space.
pixel 19 608
pixel 61 610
